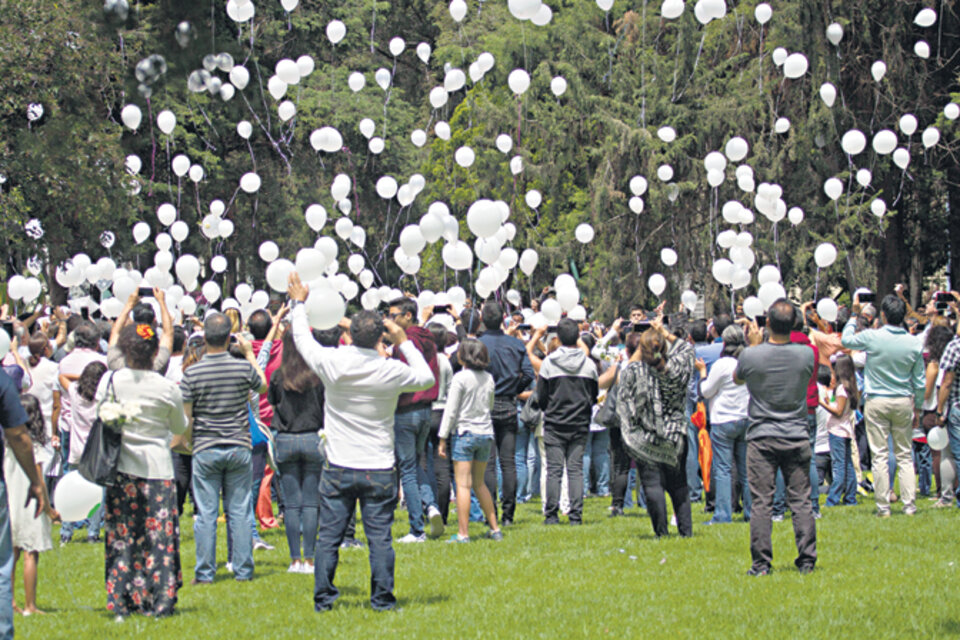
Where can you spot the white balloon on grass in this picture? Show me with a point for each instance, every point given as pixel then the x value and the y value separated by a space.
pixel 77 498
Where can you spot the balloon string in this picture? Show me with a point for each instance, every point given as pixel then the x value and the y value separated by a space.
pixel 153 151
pixel 816 286
pixel 760 62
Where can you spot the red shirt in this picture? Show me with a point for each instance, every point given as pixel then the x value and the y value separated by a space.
pixel 812 396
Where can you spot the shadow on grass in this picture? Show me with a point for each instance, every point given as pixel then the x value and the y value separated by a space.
pixel 950 627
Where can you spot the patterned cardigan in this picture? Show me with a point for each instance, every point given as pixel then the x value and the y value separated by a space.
pixel 650 406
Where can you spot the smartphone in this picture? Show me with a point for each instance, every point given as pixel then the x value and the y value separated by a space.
pixel 8 327
pixel 640 327
pixel 941 306
pixel 145 292
pixel 233 339
pixel 761 321
pixel 85 313
pixel 524 327
pixel 867 296
pixel 441 308
pixel 943 296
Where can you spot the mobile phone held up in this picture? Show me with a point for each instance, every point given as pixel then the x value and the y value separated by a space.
pixel 761 321
pixel 640 327
pixel 867 297
pixel 145 292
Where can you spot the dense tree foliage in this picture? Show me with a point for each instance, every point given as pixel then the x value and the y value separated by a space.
pixel 629 72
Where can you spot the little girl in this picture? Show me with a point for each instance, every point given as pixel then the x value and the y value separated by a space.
pixel 30 535
pixel 467 415
pixel 840 427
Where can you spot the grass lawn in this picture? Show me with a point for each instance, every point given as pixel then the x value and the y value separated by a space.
pixel 875 578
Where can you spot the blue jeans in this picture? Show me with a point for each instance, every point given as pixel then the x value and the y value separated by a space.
pixel 596 456
pixel 523 472
pixel 844 483
pixel 923 462
pixel 631 485
pixel 340 489
pixel 693 462
pixel 779 501
pixel 6 568
pixel 533 468
pixel 953 432
pixel 729 448
pixel 93 524
pixel 470 447
pixel 224 468
pixel 411 430
pixel 300 463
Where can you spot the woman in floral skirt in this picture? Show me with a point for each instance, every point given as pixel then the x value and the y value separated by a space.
pixel 142 522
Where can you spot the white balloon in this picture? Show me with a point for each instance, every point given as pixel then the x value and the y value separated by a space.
pixel 715 177
pixel 636 204
pixel 276 87
pixel 250 182
pixel 736 149
pixel 638 185
pixel 779 56
pixel 343 228
pixel 376 145
pixel 458 11
pixel 288 71
pixel 763 13
pixel 196 173
pixel 782 125
pixel 180 165
pixel 937 437
pixel 483 218
pixel 926 18
pixel 667 134
pixel 752 307
pixel 438 97
pixel 386 187
pixel 878 69
pixel 922 49
pixel 657 284
pixel 853 142
pixel 133 162
pixel 131 116
pixel 770 293
pixel 864 177
pixel 187 268
pixel 878 207
pixel 164 241
pixel 833 188
pixel 210 291
pixel 244 129
pixel 367 127
pixel 396 46
pixel 884 141
pixel 226 228
pixel 533 198
pixel 523 9
pixel 179 230
pixel 464 156
pixel 356 81
pixel 516 165
pixel 336 30
pixel 558 86
pixel 269 251
pixel 768 273
pixel 218 264
pixel 166 121
pixel 528 261
pixel 278 273
pixel 901 157
pixel 908 124
pixel 543 16
pixel 825 255
pixel 326 139
pixel 423 49
pixel 835 33
pixel 242 293
pixel 951 111
pixel 665 172
pixel 239 77
pixel 668 256
pixel 141 231
pixel 518 81
pixel 828 93
pixel 166 214
pixel 383 77
pixel 930 137
pixel 827 309
pixel 418 137
pixel 311 262
pixel 671 9
pixel 689 300
pixel 795 215
pixel 76 498
pixel 584 233
pixel 551 310
pixel 722 271
pixel 305 65
pixel 457 255
pixel 411 240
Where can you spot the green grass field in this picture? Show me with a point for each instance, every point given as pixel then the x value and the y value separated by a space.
pixel 891 578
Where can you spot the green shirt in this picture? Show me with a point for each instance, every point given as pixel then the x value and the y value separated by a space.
pixel 894 361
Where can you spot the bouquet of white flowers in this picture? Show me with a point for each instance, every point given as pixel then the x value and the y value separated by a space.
pixel 115 414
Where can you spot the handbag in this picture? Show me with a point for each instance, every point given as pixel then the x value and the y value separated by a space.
pixel 261 434
pixel 98 462
pixel 530 414
pixel 607 416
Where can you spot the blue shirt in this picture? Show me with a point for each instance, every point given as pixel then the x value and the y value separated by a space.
pixel 12 414
pixel 509 364
pixel 709 352
pixel 894 361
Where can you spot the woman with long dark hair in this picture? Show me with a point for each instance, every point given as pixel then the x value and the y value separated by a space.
pixel 650 403
pixel 936 342
pixel 296 395
pixel 142 521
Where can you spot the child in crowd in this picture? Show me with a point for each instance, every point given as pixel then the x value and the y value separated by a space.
pixel 29 535
pixel 840 427
pixel 467 421
pixel 83 411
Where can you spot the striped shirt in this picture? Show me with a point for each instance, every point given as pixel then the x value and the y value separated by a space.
pixel 219 387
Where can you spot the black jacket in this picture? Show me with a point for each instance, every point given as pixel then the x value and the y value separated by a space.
pixel 295 412
pixel 567 389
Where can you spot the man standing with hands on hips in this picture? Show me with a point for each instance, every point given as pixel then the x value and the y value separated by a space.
pixel 361 389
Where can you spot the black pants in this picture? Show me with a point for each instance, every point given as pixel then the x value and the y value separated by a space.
pixel 659 477
pixel 183 472
pixel 442 467
pixel 564 449
pixel 504 416
pixel 620 469
pixel 764 457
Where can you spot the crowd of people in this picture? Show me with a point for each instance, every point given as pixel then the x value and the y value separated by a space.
pixel 435 405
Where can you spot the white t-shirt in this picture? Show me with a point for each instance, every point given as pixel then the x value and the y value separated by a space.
pixel 844 425
pixel 44 382
pixel 728 400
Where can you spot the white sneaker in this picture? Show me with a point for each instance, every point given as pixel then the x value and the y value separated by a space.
pixel 259 544
pixel 436 522
pixel 229 567
pixel 410 538
pixel 295 567
pixel 306 569
pixel 673 521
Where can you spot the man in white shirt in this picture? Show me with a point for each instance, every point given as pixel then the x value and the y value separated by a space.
pixel 361 388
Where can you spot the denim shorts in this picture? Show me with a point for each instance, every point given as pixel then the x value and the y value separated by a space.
pixel 468 447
